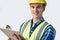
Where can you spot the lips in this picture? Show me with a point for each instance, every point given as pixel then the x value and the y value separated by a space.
pixel 36 13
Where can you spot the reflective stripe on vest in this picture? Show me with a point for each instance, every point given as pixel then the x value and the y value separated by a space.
pixel 41 31
pixel 36 34
pixel 23 27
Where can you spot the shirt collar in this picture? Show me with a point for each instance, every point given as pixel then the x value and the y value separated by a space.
pixel 38 22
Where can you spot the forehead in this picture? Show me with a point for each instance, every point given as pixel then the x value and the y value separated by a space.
pixel 36 4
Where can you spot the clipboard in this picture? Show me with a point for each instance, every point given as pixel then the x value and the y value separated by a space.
pixel 9 33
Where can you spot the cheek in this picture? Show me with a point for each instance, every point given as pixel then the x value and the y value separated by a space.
pixel 40 10
pixel 32 10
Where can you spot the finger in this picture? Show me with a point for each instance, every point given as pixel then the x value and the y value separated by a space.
pixel 20 37
pixel 9 39
pixel 16 36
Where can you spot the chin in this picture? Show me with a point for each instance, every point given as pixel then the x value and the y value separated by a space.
pixel 36 16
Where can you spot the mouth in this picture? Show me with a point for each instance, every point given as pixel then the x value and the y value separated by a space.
pixel 36 13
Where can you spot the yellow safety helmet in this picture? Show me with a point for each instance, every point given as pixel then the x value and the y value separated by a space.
pixel 38 1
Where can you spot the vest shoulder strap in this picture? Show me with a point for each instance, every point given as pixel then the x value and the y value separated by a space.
pixel 24 26
pixel 41 31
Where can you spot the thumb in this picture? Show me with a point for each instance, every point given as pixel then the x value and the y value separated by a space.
pixel 9 39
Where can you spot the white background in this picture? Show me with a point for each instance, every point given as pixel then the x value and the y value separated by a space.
pixel 14 12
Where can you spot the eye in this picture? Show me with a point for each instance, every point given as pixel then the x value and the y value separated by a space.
pixel 32 6
pixel 38 6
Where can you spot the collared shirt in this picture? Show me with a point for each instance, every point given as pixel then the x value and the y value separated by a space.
pixel 33 26
pixel 49 33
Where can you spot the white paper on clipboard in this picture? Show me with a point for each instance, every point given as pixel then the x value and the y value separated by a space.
pixel 9 33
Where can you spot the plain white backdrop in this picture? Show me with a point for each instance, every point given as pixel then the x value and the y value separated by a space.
pixel 14 12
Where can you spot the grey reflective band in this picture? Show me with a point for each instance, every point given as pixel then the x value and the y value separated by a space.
pixel 21 27
pixel 40 31
pixel 24 26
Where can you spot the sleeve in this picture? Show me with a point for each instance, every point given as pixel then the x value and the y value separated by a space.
pixel 49 34
pixel 21 27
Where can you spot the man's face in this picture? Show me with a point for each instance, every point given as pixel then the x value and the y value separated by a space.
pixel 37 10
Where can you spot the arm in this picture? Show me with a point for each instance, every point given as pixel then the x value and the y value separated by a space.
pixel 20 27
pixel 49 33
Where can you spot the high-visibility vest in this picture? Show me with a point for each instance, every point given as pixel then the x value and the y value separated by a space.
pixel 38 32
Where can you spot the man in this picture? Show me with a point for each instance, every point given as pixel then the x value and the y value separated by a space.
pixel 36 28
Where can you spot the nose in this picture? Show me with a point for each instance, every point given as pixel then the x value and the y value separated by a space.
pixel 36 10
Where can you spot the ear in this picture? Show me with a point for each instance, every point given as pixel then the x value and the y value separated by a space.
pixel 44 8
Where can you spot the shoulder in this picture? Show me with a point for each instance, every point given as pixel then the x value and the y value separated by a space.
pixel 49 33
pixel 24 24
pixel 50 28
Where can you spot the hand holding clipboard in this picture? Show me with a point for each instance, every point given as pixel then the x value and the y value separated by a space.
pixel 13 35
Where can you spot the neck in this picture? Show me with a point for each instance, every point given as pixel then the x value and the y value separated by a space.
pixel 36 20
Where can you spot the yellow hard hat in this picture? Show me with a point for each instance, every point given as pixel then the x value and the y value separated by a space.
pixel 38 1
